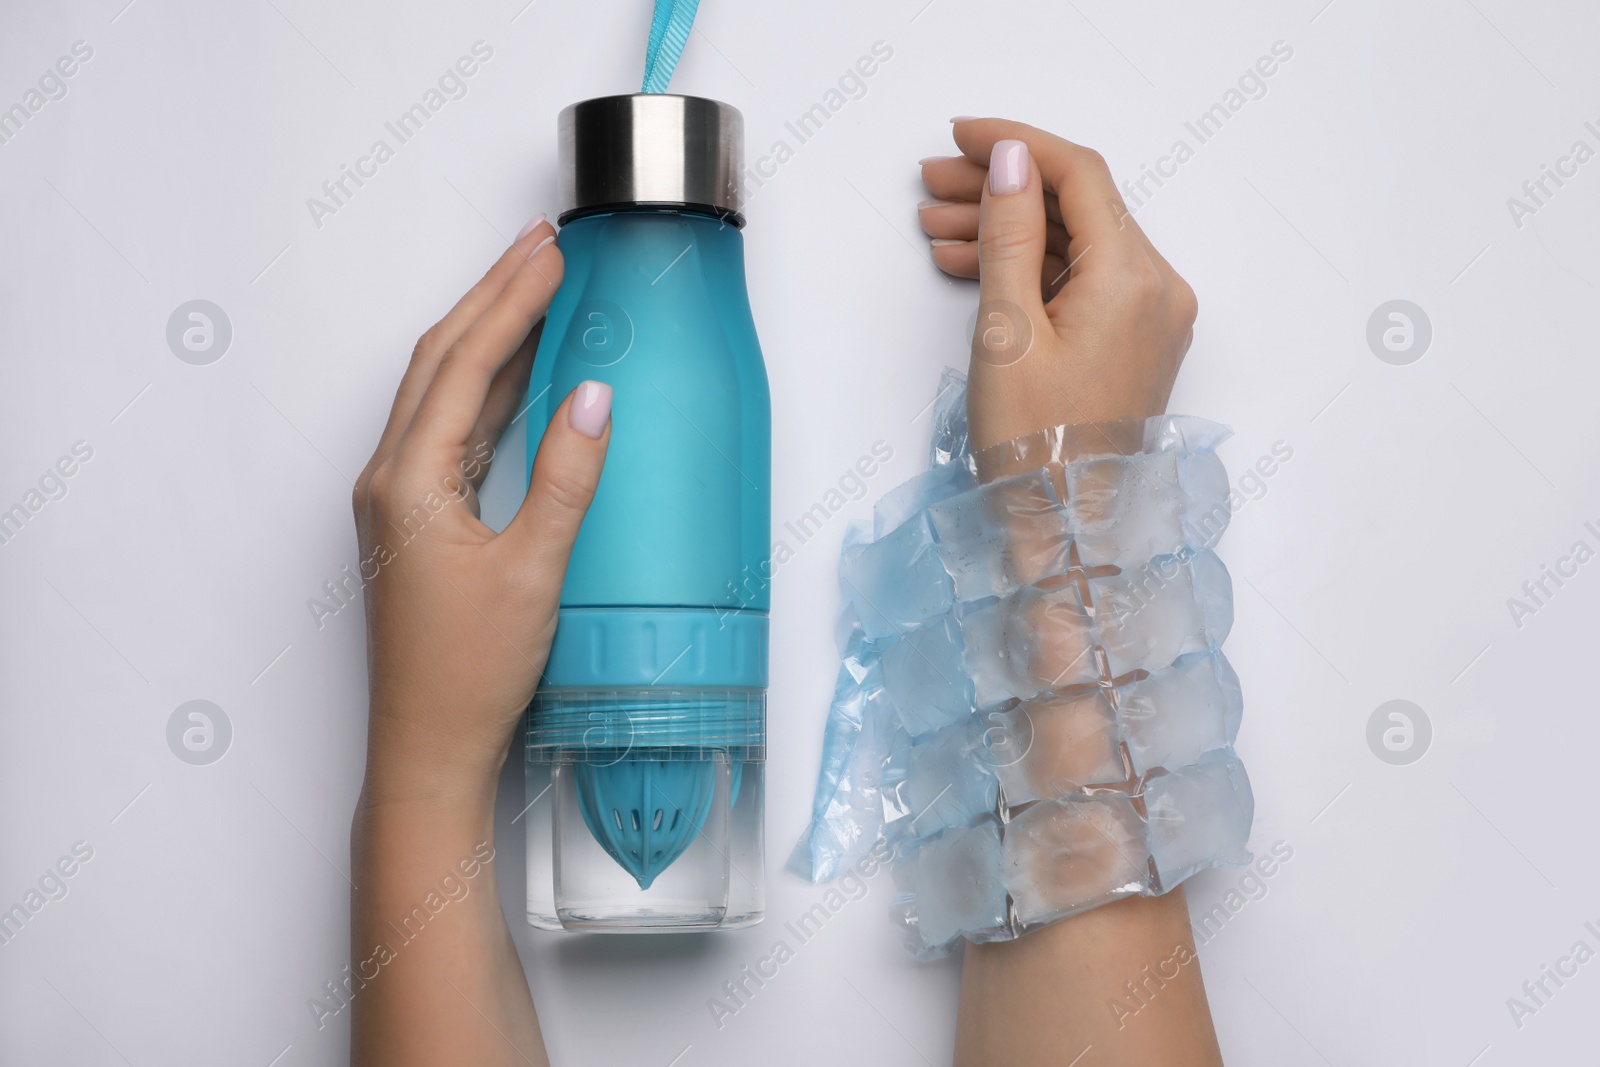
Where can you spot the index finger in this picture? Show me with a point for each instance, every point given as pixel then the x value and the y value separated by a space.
pixel 454 400
pixel 437 340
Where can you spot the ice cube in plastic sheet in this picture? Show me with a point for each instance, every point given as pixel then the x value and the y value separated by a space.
pixel 926 489
pixel 1001 536
pixel 1126 509
pixel 896 583
pixel 1028 642
pixel 1213 590
pixel 1184 433
pixel 1148 617
pixel 923 676
pixel 1205 492
pixel 1065 856
pixel 950 780
pixel 1053 745
pixel 959 884
pixel 847 813
pixel 950 442
pixel 1175 715
pixel 1199 817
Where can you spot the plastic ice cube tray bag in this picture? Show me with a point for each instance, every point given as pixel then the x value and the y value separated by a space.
pixel 1033 708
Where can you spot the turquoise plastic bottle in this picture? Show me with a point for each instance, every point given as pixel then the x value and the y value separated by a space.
pixel 654 304
pixel 647 738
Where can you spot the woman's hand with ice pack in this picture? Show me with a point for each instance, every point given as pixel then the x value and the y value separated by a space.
pixel 1080 320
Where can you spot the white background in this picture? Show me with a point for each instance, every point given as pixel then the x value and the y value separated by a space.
pixel 1377 565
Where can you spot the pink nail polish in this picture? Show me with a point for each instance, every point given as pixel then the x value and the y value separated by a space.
pixel 529 227
pixel 925 160
pixel 591 408
pixel 963 118
pixel 551 239
pixel 1008 168
pixel 923 205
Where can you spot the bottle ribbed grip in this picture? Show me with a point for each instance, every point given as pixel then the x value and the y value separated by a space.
pixel 645 648
pixel 600 725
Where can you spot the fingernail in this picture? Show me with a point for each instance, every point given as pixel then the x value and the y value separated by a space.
pixel 925 160
pixel 940 242
pixel 548 240
pixel 1008 168
pixel 923 205
pixel 529 227
pixel 963 118
pixel 591 408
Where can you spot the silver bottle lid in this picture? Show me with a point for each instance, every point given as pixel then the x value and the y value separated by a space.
pixel 651 150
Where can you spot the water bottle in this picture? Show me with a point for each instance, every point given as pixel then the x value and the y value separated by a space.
pixel 646 741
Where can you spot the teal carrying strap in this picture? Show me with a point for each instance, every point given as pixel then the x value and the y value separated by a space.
pixel 669 32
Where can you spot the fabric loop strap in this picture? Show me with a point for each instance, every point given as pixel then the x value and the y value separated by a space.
pixel 669 32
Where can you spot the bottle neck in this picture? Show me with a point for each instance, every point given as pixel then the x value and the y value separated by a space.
pixel 731 219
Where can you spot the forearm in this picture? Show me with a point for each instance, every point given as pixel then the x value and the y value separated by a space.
pixel 1117 985
pixel 437 974
pixel 459 622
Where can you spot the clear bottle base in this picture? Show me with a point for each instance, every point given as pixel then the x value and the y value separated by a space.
pixel 646 838
pixel 636 921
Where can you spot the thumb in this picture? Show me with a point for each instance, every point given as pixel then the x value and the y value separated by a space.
pixel 566 473
pixel 1011 248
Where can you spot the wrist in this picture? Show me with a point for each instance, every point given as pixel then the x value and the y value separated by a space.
pixel 1004 406
pixel 422 823
pixel 410 763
